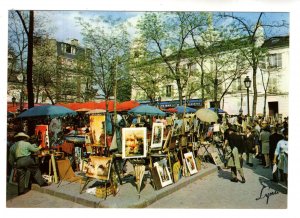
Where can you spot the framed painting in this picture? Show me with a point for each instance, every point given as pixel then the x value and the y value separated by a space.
pixel 157 135
pixel 190 162
pixel 98 167
pixel 97 124
pixel 134 142
pixel 41 131
pixel 163 172
pixel 216 158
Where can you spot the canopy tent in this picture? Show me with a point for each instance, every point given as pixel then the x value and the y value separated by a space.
pixel 220 111
pixel 127 105
pixel 180 109
pixel 146 110
pixel 47 110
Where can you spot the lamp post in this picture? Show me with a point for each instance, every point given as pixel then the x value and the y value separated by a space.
pixel 247 83
pixel 13 100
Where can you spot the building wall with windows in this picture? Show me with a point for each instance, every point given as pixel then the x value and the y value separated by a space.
pixel 276 65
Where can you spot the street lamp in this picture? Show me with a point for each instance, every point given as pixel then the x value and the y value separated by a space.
pixel 13 100
pixel 247 83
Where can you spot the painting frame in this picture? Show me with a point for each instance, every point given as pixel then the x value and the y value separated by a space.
pixel 190 162
pixel 163 172
pixel 98 167
pixel 134 142
pixel 217 159
pixel 157 135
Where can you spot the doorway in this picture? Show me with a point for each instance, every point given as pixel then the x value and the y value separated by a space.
pixel 273 108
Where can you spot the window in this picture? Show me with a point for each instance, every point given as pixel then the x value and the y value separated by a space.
pixel 168 90
pixel 275 60
pixel 273 85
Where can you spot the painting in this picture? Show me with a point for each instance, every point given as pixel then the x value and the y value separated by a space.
pixel 190 162
pixel 216 158
pixel 157 135
pixel 134 142
pixel 41 131
pixel 163 172
pixel 98 167
pixel 97 126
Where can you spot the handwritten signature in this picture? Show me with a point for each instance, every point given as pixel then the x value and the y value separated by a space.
pixel 266 195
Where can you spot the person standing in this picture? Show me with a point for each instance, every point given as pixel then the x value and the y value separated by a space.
pixel 20 156
pixel 233 141
pixel 249 146
pixel 281 156
pixel 265 143
pixel 275 137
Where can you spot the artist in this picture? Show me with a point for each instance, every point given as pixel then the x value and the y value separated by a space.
pixel 20 157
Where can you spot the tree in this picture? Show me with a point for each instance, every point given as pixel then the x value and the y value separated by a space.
pixel 253 32
pixel 166 37
pixel 17 42
pixel 29 32
pixel 110 43
pixel 146 74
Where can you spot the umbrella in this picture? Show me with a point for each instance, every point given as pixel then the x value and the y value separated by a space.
pixel 180 109
pixel 207 115
pixel 219 110
pixel 47 110
pixel 96 111
pixel 146 110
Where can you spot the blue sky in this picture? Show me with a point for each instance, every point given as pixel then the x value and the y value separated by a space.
pixel 66 27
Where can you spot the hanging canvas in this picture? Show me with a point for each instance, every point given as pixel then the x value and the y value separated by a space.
pixel 190 162
pixel 157 135
pixel 98 167
pixel 163 172
pixel 97 126
pixel 134 142
pixel 41 131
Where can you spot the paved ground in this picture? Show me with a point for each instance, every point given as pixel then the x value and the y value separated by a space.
pixel 216 191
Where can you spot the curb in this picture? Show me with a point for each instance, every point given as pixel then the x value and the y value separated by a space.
pixel 145 200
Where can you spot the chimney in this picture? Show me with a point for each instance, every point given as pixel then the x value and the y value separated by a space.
pixel 75 42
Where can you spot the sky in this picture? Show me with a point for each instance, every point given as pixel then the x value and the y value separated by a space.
pixel 66 27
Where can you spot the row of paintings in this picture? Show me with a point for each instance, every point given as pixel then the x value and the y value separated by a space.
pixel 134 140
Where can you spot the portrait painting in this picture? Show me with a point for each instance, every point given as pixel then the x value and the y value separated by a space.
pixel 190 162
pixel 134 142
pixel 157 135
pixel 163 172
pixel 98 167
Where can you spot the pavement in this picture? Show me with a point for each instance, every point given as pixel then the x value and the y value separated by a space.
pixel 67 194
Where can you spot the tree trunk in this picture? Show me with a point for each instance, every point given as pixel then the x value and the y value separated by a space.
pixel 254 91
pixel 29 61
pixel 265 103
pixel 202 84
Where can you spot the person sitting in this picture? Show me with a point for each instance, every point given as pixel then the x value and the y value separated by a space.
pixel 20 156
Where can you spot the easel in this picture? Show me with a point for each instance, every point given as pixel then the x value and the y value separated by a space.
pixel 106 179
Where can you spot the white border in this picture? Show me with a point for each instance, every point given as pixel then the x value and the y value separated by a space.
pixel 157 145
pixel 126 131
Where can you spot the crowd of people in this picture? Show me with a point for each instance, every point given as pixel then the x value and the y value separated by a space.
pixel 244 139
pixel 266 141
